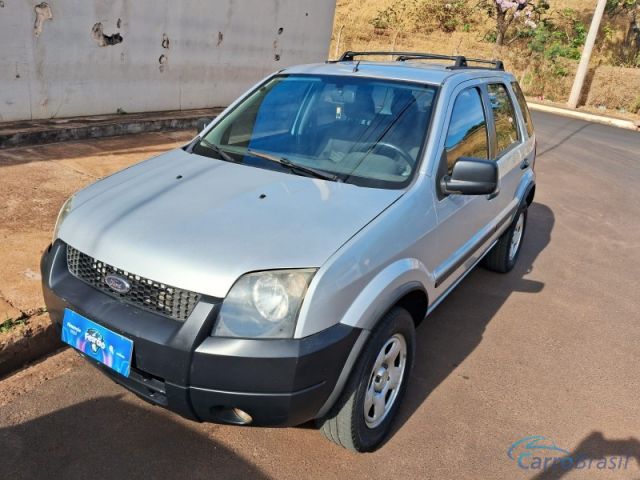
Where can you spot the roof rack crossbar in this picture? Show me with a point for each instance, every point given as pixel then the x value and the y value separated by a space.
pixel 460 61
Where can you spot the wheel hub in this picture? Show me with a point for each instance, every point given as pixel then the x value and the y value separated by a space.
pixel 385 380
pixel 381 378
pixel 516 238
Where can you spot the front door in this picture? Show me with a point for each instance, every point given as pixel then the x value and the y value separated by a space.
pixel 463 220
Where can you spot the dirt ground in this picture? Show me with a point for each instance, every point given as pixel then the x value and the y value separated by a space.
pixel 35 182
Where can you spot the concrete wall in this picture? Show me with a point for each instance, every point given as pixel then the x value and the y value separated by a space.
pixel 63 58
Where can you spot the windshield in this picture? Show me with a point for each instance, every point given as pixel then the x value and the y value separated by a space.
pixel 358 130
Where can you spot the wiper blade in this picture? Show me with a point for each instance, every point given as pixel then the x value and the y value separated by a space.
pixel 293 166
pixel 219 151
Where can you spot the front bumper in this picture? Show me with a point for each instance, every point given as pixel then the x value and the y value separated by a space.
pixel 177 365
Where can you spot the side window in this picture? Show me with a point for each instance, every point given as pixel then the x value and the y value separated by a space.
pixel 504 117
pixel 467 135
pixel 523 106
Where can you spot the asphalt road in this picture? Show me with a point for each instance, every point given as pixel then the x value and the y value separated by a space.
pixel 551 349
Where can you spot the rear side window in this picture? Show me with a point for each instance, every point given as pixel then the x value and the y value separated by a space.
pixel 504 117
pixel 467 135
pixel 523 107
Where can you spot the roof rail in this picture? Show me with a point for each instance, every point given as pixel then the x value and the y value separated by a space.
pixel 460 61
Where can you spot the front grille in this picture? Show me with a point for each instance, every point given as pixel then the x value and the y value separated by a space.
pixel 144 293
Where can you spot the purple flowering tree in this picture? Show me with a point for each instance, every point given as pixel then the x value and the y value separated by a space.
pixel 510 13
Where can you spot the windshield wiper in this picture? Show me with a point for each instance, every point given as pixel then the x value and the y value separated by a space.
pixel 293 166
pixel 219 151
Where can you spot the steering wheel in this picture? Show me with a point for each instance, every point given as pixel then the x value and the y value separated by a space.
pixel 396 153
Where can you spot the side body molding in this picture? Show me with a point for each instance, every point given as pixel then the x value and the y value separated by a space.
pixel 381 293
pixel 527 184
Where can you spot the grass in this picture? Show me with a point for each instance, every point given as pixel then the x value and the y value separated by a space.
pixel 545 74
pixel 11 323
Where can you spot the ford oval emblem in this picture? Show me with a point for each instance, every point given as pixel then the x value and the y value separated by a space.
pixel 117 283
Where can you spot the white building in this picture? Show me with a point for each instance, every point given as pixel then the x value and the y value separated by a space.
pixel 64 58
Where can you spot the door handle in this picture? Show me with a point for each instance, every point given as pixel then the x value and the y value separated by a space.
pixel 525 164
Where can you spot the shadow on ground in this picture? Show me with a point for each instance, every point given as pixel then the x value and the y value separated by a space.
pixel 579 128
pixel 596 453
pixel 453 331
pixel 114 439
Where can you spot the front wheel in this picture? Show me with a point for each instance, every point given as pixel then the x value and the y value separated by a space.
pixel 362 417
pixel 504 254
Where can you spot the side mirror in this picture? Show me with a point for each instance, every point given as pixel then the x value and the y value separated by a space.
pixel 471 176
pixel 202 123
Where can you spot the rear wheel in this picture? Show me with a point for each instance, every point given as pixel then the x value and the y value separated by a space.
pixel 362 417
pixel 504 254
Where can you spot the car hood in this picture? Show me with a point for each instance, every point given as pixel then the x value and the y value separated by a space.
pixel 197 223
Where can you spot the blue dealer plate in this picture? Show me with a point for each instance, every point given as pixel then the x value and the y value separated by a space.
pixel 97 342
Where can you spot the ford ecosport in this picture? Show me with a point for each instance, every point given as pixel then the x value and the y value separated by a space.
pixel 272 271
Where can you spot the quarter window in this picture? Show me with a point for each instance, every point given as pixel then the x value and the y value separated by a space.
pixel 467 135
pixel 504 117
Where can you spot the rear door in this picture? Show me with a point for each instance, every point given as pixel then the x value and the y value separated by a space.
pixel 511 149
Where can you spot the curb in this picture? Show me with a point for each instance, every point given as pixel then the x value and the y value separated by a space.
pixel 27 343
pixel 38 132
pixel 587 117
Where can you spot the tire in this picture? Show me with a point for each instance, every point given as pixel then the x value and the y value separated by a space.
pixel 346 424
pixel 501 258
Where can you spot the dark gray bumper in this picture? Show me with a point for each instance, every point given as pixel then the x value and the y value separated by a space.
pixel 177 365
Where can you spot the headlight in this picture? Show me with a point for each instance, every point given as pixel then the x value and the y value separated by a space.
pixel 263 304
pixel 64 211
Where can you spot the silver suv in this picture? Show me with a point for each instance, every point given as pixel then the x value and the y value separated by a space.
pixel 273 271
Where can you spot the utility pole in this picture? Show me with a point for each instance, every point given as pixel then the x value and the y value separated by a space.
pixel 337 55
pixel 583 67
